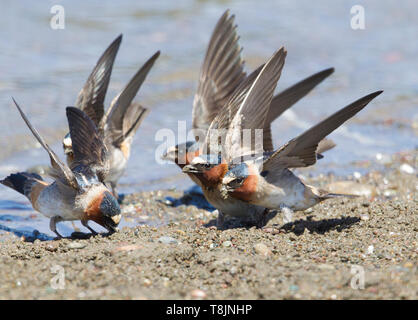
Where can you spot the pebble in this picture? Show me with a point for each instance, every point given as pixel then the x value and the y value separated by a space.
pixel 129 247
pixel 167 240
pixel 356 175
pixel 227 244
pixel 262 249
pixel 407 168
pixel 364 217
pixel 383 158
pixel 370 249
pixel 76 245
pixel 147 282
pixel 198 294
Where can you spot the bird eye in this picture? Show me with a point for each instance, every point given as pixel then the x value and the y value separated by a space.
pixel 239 180
pixel 207 165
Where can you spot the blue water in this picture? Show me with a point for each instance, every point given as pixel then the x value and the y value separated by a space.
pixel 44 69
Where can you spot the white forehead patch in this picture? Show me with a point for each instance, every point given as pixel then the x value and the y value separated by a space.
pixel 199 160
pixel 67 141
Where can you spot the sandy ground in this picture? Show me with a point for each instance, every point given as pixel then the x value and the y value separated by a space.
pixel 324 254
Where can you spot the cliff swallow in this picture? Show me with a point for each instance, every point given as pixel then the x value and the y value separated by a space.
pixel 249 106
pixel 77 192
pixel 221 74
pixel 120 122
pixel 270 183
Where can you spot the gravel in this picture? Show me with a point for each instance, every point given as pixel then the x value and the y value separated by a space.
pixel 330 252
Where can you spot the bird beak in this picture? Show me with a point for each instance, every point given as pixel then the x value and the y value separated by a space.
pixel 170 154
pixel 224 192
pixel 116 219
pixel 111 223
pixel 190 169
pixel 68 151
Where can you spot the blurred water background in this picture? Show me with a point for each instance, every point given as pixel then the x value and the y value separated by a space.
pixel 44 69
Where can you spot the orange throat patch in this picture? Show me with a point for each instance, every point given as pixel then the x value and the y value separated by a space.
pixel 213 177
pixel 93 210
pixel 248 188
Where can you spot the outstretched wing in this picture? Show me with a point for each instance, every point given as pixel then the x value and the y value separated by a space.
pixel 91 97
pixel 120 109
pixel 301 151
pixel 88 146
pixel 61 170
pixel 253 110
pixel 222 71
pixel 287 98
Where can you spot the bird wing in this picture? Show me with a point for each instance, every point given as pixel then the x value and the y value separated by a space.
pixel 88 146
pixel 91 97
pixel 253 110
pixel 287 98
pixel 61 171
pixel 301 151
pixel 221 73
pixel 121 108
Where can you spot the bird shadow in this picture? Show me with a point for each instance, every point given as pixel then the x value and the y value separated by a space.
pixel 27 235
pixel 191 197
pixel 30 235
pixel 298 227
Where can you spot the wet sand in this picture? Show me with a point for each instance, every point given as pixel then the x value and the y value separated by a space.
pixel 311 258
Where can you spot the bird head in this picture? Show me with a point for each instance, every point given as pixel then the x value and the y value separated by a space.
pixel 181 154
pixel 105 210
pixel 239 181
pixel 209 168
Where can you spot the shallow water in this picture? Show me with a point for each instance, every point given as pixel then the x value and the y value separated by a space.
pixel 44 69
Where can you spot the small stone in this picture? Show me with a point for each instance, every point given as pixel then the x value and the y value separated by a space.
pixel 364 217
pixel 357 175
pixel 383 158
pixel 233 270
pixel 147 282
pixel 198 294
pixel 52 247
pixel 262 249
pixel 181 232
pixel 370 249
pixel 76 245
pixel 408 264
pixel 389 193
pixel 406 168
pixel 167 240
pixel 129 247
pixel 227 244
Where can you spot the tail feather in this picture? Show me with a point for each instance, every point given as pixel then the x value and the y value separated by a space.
pixel 21 181
pixel 329 195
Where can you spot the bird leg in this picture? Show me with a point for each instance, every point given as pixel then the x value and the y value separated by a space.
pixel 53 225
pixel 114 190
pixel 220 220
pixel 263 219
pixel 85 223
